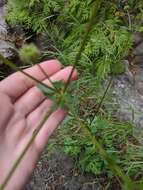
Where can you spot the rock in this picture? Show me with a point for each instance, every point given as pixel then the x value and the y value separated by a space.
pixel 129 99
pixel 128 88
pixel 2 2
pixel 137 38
pixel 138 60
pixel 3 26
pixel 6 47
pixel 138 50
pixel 140 88
pixel 139 81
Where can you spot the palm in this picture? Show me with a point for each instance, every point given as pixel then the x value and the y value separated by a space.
pixel 22 108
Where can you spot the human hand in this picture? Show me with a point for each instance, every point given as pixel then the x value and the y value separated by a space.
pixel 22 107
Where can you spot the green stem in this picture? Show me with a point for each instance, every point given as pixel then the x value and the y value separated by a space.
pixel 28 145
pixel 96 8
pixel 46 75
pixel 35 133
pixel 15 68
pixel 111 163
pixel 102 99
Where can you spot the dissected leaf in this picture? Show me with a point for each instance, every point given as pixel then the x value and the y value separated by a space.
pixel 58 85
pixel 56 94
pixel 45 90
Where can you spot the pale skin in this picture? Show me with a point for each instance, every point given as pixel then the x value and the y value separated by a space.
pixel 22 107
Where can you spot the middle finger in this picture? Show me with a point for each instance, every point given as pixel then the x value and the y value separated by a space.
pixel 34 97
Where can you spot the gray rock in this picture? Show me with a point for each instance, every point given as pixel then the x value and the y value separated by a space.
pixel 138 50
pixel 137 38
pixel 3 26
pixel 138 60
pixel 2 2
pixel 129 100
pixel 6 47
pixel 128 88
pixel 140 88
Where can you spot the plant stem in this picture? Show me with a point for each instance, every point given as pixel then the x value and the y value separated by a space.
pixel 46 75
pixel 15 68
pixel 97 5
pixel 111 163
pixel 35 133
pixel 28 145
pixel 102 99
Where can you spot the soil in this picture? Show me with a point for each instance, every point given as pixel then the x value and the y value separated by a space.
pixel 58 172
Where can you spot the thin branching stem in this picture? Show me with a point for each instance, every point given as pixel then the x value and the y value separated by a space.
pixel 102 99
pixel 97 5
pixel 15 68
pixel 28 145
pixel 111 163
pixel 47 76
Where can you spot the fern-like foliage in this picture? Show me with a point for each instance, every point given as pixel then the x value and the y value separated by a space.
pixel 33 14
pixel 117 140
pixel 65 23
pixel 109 41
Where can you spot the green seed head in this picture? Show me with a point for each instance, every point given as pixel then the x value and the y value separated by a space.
pixel 29 53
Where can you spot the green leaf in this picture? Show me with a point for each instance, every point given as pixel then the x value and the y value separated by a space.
pixel 55 94
pixel 45 90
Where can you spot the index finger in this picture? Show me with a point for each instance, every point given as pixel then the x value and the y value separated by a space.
pixel 17 84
